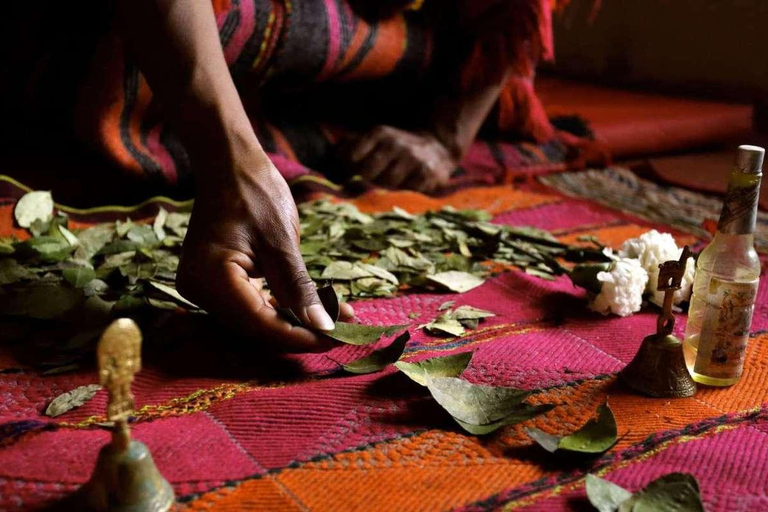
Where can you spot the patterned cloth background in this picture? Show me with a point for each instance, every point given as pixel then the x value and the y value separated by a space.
pixel 233 429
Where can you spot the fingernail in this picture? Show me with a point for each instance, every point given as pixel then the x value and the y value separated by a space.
pixel 319 318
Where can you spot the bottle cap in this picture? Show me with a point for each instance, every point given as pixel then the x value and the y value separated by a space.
pixel 749 159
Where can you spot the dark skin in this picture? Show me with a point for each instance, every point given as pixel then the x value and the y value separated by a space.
pixel 244 223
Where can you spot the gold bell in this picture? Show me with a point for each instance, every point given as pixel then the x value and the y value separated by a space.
pixel 125 478
pixel 658 369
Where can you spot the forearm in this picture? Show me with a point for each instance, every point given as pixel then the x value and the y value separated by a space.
pixel 457 118
pixel 176 44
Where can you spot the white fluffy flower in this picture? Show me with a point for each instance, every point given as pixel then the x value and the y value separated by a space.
pixel 651 249
pixel 622 287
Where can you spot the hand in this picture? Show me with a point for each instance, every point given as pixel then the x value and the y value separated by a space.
pixel 395 158
pixel 244 227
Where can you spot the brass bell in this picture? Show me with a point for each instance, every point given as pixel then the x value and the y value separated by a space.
pixel 658 369
pixel 125 478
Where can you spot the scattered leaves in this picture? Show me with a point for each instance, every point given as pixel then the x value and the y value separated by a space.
pixel 71 400
pixel 475 404
pixel 596 436
pixel 357 334
pixel 172 293
pixel 456 281
pixel 379 359
pixel 454 323
pixel 444 366
pixel 605 496
pixel 480 409
pixel 677 492
pixel 78 277
pixel 133 264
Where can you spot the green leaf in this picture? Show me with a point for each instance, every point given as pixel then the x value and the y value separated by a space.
pixel 456 281
pixel 159 223
pixel 357 334
pixel 596 436
pixel 12 272
pixel 677 492
pixel 379 359
pixel 172 293
pixel 519 415
pixel 143 235
pixel 474 404
pixel 549 442
pixel 444 366
pixel 585 275
pixel 93 239
pixel 345 271
pixel 42 301
pixel 127 304
pixel 95 287
pixel 71 400
pixel 49 249
pixel 34 206
pixel 445 325
pixel 605 496
pixel 78 276
pixel 470 313
pixel 380 273
pixel 446 305
pixel 6 246
pixel 68 236
pixel 123 227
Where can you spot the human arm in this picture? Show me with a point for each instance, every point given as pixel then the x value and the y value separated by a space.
pixel 244 223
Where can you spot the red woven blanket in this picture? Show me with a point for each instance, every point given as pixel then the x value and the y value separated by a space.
pixel 294 434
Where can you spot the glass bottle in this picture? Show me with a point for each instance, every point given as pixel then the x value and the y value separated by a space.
pixel 727 276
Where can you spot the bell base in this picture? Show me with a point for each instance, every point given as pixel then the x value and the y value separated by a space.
pixel 126 481
pixel 658 370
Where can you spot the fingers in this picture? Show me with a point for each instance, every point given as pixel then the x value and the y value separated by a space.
pixel 362 147
pixel 376 163
pixel 291 285
pixel 239 302
pixel 346 312
pixel 419 182
pixel 398 172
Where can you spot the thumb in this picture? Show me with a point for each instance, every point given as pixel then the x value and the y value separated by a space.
pixel 291 285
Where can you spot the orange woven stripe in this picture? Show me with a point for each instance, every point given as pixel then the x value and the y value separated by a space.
pixel 261 494
pixel 493 199
pixel 615 236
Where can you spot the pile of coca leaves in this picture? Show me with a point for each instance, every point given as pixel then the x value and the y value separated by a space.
pixel 124 266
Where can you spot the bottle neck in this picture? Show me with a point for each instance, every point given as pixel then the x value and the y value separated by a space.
pixel 739 212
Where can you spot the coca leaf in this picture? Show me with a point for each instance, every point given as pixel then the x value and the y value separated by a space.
pixel 598 435
pixel 675 492
pixel 456 281
pixel 605 496
pixel 71 400
pixel 78 277
pixel 519 415
pixel 474 404
pixel 444 366
pixel 379 359
pixel 357 334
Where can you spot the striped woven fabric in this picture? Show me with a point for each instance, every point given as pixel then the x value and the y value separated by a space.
pixel 289 59
pixel 233 429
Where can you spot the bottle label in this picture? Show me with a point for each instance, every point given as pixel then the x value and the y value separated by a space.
pixel 725 328
pixel 739 212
